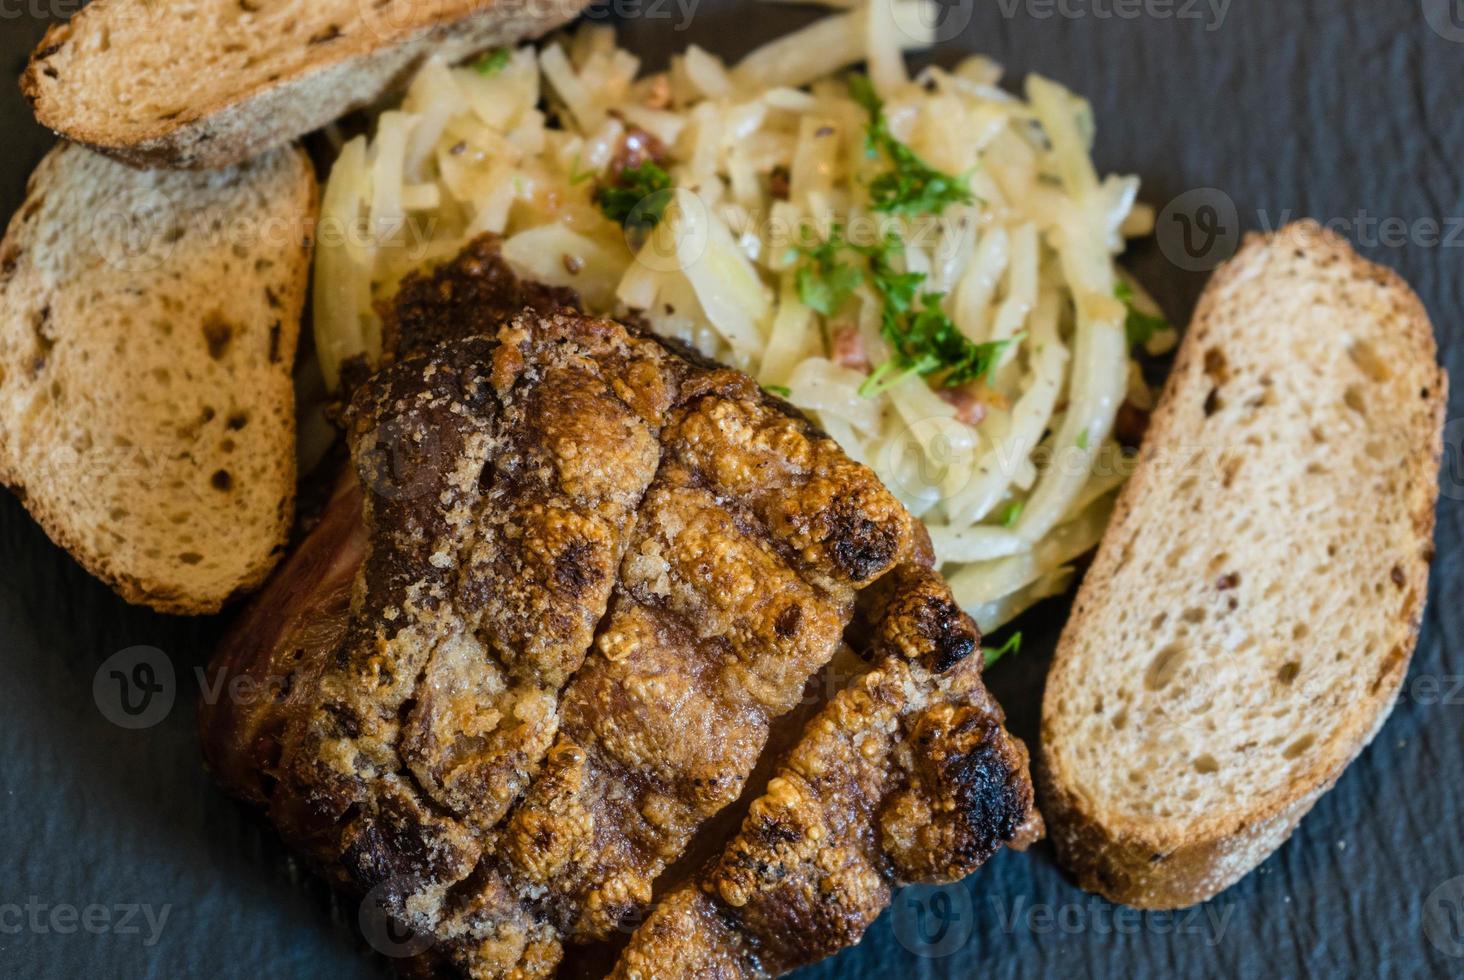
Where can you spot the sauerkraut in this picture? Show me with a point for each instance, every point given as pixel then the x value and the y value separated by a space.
pixel 925 265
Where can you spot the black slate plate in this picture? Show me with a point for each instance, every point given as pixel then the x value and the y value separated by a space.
pixel 121 859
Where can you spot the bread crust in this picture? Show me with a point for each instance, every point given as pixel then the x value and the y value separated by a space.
pixel 113 567
pixel 350 72
pixel 1147 863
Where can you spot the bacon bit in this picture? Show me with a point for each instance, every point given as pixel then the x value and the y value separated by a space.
pixel 778 182
pixel 849 349
pixel 573 264
pixel 824 131
pixel 1130 425
pixel 458 148
pixel 636 147
pixel 968 403
pixel 658 92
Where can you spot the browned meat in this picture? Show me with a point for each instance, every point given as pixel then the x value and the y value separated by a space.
pixel 475 294
pixel 268 667
pixel 737 588
pixel 906 776
pixel 543 638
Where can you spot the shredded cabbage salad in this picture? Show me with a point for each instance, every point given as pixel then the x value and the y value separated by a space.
pixel 924 265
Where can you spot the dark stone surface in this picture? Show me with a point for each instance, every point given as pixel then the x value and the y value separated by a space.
pixel 1344 111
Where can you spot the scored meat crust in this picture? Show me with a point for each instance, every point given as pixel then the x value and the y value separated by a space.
pixel 546 629
pixel 906 776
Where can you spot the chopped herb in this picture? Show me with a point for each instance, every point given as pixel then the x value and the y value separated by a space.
pixel 1139 327
pixel 493 62
pixel 928 343
pixel 830 279
pixel 638 198
pixel 826 280
pixel 576 175
pixel 1010 515
pixel 825 290
pixel 925 341
pixel 1083 439
pixel 897 288
pixel 782 391
pixel 993 654
pixel 912 186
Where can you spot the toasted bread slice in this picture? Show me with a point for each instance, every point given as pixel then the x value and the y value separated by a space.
pixel 147 334
pixel 210 83
pixel 1248 620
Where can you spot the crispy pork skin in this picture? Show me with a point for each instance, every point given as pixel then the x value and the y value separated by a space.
pixel 905 776
pixel 547 628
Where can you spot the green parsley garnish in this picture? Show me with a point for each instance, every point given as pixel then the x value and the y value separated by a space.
pixel 928 343
pixel 1083 439
pixel 912 186
pixel 898 289
pixel 493 62
pixel 830 278
pixel 826 280
pixel 1011 514
pixel 782 391
pixel 637 199
pixel 1012 645
pixel 1139 327
pixel 924 339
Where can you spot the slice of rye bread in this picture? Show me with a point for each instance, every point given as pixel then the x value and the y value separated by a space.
pixel 210 83
pixel 1249 617
pixel 147 335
